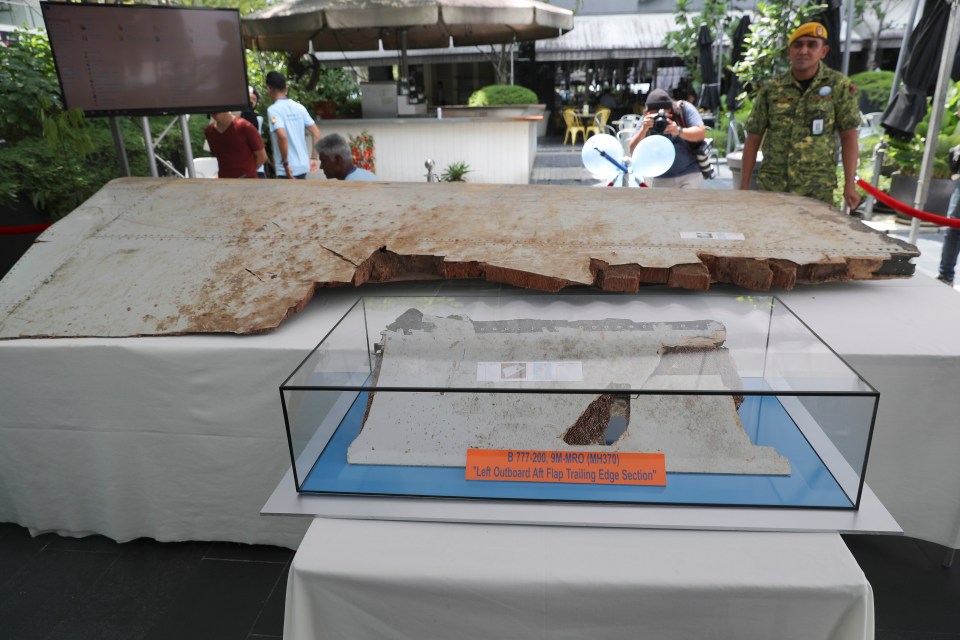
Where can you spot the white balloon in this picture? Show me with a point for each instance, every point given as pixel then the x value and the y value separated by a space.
pixel 594 162
pixel 653 156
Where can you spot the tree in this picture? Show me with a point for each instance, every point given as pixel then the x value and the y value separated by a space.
pixel 880 10
pixel 766 44
pixel 53 157
pixel 244 6
pixel 498 55
pixel 30 102
pixel 683 40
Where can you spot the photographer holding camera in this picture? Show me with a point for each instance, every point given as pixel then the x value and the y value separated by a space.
pixel 681 123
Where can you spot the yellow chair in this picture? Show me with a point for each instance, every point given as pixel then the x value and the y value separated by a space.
pixel 599 121
pixel 574 126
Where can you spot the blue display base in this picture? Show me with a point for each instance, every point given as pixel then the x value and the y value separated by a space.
pixel 810 483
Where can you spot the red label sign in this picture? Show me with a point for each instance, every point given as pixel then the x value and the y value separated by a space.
pixel 580 467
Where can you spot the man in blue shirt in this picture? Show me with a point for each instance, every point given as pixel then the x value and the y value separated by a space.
pixel 336 160
pixel 289 122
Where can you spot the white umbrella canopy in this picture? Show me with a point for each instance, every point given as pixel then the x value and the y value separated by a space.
pixel 362 25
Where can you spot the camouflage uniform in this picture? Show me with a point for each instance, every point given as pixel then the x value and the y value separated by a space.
pixel 794 159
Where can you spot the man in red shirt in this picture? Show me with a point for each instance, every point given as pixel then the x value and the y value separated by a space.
pixel 236 144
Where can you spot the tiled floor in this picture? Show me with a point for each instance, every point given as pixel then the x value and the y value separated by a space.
pixel 916 597
pixel 55 588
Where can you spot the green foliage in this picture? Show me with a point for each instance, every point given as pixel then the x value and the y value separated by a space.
pixel 865 169
pixel 495 94
pixel 332 85
pixel 30 103
pixel 259 64
pixel 30 87
pixel 866 166
pixel 881 21
pixel 455 172
pixel 873 88
pixel 245 6
pixel 719 136
pixel 56 182
pixel 908 155
pixel 683 40
pixel 55 158
pixel 767 41
pixel 50 155
pixel 719 132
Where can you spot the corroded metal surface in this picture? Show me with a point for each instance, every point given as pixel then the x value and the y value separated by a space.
pixel 157 256
pixel 698 434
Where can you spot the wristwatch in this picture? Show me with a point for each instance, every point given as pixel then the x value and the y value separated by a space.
pixel 679 130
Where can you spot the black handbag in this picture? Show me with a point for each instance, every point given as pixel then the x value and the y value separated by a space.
pixel 701 150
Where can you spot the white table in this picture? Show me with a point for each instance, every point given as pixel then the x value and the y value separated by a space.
pixel 170 438
pixel 381 579
pixel 182 438
pixel 904 337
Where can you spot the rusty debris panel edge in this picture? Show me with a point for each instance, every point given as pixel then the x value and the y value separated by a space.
pixel 151 256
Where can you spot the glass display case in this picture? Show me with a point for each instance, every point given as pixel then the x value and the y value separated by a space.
pixel 675 400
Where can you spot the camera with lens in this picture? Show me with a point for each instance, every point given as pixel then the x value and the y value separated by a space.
pixel 660 122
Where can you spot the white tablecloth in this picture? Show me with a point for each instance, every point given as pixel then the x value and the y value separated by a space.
pixel 399 580
pixel 903 337
pixel 176 438
pixel 182 438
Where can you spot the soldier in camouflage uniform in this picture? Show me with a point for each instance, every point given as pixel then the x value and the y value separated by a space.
pixel 796 116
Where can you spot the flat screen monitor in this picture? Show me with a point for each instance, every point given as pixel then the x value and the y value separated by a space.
pixel 147 60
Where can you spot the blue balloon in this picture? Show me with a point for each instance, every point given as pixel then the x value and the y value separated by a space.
pixel 653 156
pixel 594 161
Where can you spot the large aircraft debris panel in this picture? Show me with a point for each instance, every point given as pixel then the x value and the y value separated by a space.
pixel 151 256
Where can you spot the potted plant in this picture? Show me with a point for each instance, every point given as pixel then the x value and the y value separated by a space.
pixel 363 151
pixel 455 172
pixel 907 155
pixel 327 93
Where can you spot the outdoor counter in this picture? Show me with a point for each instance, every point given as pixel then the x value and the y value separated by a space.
pixel 499 150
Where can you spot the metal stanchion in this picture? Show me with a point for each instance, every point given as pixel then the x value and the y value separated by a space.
pixel 148 143
pixel 118 143
pixel 879 154
pixel 187 148
pixel 431 176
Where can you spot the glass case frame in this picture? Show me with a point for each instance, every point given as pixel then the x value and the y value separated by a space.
pixel 789 382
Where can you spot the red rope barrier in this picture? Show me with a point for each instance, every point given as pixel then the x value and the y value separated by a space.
pixel 905 209
pixel 27 228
